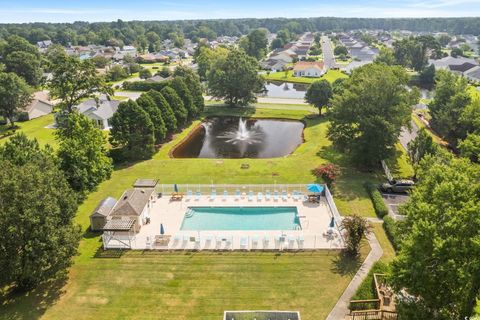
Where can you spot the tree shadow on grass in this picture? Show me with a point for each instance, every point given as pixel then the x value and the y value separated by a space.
pixel 345 265
pixel 31 304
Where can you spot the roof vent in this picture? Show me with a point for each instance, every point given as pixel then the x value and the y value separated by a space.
pixel 125 198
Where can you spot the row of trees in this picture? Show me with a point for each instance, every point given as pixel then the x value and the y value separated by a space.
pixel 138 125
pixel 149 33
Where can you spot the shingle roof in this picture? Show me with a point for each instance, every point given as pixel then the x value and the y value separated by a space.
pixel 132 202
pixel 145 183
pixel 303 65
pixel 462 67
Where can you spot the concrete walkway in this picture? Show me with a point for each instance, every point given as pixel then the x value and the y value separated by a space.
pixel 340 311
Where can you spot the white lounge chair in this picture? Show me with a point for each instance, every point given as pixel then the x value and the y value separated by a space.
pixel 197 195
pixel 237 195
pixel 229 243
pixel 250 196
pixel 295 195
pixel 284 195
pixel 259 196
pixel 213 195
pixel 267 195
pixel 275 196
pixel 244 243
pixel 254 242
pixel 225 195
pixel 266 242
pixel 301 241
pixel 291 242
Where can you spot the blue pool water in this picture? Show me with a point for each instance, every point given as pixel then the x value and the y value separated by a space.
pixel 241 218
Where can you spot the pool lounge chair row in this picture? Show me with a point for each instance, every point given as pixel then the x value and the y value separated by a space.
pixel 222 242
pixel 250 196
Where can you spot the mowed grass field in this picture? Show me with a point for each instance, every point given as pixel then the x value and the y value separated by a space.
pixel 153 285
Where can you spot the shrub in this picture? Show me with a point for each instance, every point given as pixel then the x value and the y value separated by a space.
pixel 377 200
pixel 355 228
pixel 328 172
pixel 366 290
pixel 391 229
pixel 145 85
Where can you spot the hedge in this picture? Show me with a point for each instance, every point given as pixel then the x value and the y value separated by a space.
pixel 145 85
pixel 377 200
pixel 366 290
pixel 391 229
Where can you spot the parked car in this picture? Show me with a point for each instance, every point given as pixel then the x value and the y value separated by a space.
pixel 397 186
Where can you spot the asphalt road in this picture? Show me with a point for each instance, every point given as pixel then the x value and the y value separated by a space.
pixel 328 56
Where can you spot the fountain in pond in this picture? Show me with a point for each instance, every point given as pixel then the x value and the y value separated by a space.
pixel 242 134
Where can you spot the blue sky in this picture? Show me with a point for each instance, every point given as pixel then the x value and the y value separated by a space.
pixel 108 10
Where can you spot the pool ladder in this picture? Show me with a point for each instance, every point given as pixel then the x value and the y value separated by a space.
pixel 189 213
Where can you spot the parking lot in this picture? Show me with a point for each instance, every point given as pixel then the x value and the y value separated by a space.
pixel 393 201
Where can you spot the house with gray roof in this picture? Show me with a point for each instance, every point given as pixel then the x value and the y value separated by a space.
pixel 134 204
pixel 99 111
pixel 447 62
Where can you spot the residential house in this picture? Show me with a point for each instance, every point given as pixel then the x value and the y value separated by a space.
pixel 286 56
pixel 448 63
pixel 273 65
pixel 100 112
pixel 309 69
pixel 39 106
pixel 43 45
pixel 473 74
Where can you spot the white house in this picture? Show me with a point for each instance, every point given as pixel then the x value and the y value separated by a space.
pixel 309 69
pixel 100 111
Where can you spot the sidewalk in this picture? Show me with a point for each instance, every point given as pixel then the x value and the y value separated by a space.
pixel 341 308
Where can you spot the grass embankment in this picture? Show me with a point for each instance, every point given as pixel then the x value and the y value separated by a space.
pixel 139 285
pixel 330 76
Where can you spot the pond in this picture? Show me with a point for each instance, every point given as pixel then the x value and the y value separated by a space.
pixel 234 137
pixel 277 89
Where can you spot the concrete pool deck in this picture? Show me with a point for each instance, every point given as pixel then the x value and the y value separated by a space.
pixel 314 219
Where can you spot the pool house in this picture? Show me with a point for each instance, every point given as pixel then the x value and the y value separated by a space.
pixel 223 217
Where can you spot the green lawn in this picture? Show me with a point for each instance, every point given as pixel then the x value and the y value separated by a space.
pixel 330 76
pixel 194 286
pixel 36 128
pixel 141 285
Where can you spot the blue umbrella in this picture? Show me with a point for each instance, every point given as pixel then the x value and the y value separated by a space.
pixel 162 231
pixel 332 223
pixel 175 187
pixel 315 188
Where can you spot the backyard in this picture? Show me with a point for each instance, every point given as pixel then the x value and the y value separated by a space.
pixel 202 285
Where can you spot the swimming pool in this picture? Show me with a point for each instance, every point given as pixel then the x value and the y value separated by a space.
pixel 241 218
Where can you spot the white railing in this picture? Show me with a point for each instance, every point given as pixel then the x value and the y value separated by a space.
pixel 333 210
pixel 231 189
pixel 268 240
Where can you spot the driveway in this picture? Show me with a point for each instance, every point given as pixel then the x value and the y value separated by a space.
pixel 393 201
pixel 328 56
pixel 408 135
